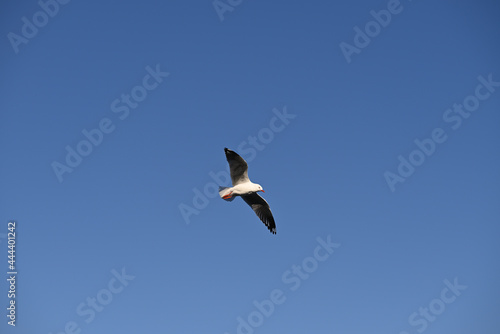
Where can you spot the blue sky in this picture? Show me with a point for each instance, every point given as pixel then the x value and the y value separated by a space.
pixel 375 233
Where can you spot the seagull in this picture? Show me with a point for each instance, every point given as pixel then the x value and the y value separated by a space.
pixel 246 189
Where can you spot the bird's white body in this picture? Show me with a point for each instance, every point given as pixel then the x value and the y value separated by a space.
pixel 240 189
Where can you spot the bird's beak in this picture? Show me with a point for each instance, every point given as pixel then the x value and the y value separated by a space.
pixel 263 190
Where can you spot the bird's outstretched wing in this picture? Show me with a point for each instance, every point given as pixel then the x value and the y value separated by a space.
pixel 261 209
pixel 237 166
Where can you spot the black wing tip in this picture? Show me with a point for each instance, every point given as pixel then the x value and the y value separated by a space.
pixel 230 153
pixel 272 227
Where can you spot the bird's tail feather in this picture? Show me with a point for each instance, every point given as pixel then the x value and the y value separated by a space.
pixel 224 191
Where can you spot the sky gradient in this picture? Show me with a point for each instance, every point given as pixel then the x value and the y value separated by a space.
pixel 373 127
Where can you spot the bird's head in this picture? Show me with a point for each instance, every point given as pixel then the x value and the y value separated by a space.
pixel 258 187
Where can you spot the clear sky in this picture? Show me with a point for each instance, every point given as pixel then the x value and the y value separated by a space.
pixel 373 127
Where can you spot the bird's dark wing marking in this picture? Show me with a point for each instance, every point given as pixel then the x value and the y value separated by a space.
pixel 261 209
pixel 237 166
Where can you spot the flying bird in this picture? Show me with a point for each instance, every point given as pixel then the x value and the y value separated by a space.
pixel 246 189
